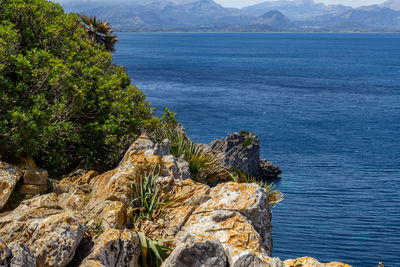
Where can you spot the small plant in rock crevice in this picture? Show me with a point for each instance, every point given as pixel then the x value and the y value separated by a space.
pixel 150 203
pixel 205 166
pixel 247 142
pixel 274 195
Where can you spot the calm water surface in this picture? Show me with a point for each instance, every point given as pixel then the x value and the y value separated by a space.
pixel 327 110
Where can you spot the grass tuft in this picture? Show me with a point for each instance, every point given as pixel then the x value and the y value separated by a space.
pixel 274 195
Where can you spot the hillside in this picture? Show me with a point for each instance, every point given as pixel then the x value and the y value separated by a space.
pixel 207 15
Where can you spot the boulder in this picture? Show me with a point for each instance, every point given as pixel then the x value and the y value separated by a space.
pixel 54 239
pixel 311 262
pixel 106 214
pixel 73 200
pixel 9 176
pixel 51 234
pixel 190 195
pixel 248 258
pixel 5 253
pixel 22 256
pixel 35 177
pixel 14 226
pixel 236 214
pixel 32 189
pixel 197 253
pixel 114 248
pixel 242 151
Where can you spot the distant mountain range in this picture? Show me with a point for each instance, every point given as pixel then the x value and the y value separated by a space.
pixel 207 15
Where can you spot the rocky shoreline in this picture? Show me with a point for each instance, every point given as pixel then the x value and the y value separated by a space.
pixel 86 219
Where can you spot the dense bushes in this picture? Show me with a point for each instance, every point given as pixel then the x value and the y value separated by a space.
pixel 62 100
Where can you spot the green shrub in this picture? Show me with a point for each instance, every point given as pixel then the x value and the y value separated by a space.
pixel 62 100
pixel 247 142
pixel 244 132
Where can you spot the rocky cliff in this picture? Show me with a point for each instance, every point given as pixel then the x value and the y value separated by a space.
pixel 90 219
pixel 242 151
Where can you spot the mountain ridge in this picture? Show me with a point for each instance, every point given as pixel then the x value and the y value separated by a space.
pixel 207 15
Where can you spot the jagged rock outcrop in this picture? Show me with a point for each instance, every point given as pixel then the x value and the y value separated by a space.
pixel 242 151
pixel 85 221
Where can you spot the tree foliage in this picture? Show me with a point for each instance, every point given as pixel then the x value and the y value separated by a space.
pixel 62 100
pixel 99 31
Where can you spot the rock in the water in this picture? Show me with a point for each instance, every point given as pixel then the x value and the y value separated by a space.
pixel 268 170
pixel 9 176
pixel 197 253
pixel 114 248
pixel 22 256
pixel 35 177
pixel 242 151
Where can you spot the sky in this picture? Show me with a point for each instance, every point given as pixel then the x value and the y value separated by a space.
pixel 353 3
pixel 242 3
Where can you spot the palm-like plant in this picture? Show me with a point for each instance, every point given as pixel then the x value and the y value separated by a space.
pixel 99 31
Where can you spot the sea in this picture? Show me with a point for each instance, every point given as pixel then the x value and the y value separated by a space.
pixel 326 108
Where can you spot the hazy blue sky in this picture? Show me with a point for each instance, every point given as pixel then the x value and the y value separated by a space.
pixel 354 3
pixel 242 3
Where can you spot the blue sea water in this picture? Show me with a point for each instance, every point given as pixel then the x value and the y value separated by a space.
pixel 326 108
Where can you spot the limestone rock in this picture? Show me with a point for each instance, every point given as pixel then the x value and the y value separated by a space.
pixel 14 226
pixel 86 178
pixel 236 214
pixel 311 262
pixel 247 258
pixel 114 248
pixel 21 255
pixel 190 194
pixel 74 200
pixel 107 213
pixel 9 176
pixel 183 167
pixel 268 169
pixel 32 189
pixel 35 177
pixel 197 253
pixel 242 151
pixel 162 149
pixel 54 239
pixel 51 234
pixel 140 157
pixel 5 253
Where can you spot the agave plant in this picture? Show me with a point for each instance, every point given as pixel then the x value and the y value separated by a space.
pixel 99 31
